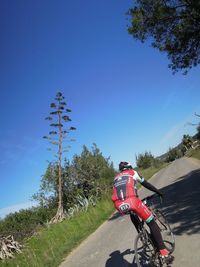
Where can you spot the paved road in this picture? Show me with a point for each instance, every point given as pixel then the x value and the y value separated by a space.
pixel 107 247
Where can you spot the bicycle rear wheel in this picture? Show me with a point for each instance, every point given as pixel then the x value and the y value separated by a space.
pixel 165 230
pixel 145 253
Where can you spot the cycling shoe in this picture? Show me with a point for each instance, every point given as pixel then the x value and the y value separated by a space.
pixel 167 259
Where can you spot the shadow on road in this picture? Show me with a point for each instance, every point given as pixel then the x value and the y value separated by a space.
pixel 182 204
pixel 115 216
pixel 117 259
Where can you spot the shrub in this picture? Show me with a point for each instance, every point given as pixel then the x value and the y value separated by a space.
pixel 23 223
pixel 146 160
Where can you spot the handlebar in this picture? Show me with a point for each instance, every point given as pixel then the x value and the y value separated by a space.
pixel 152 197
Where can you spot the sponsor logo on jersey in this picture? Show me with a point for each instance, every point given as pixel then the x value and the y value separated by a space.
pixel 124 207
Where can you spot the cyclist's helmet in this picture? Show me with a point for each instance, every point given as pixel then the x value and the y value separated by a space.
pixel 123 165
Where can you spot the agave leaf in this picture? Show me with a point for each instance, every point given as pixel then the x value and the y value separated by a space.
pixel 53 105
pixel 54 143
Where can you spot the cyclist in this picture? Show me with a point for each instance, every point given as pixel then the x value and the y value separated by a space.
pixel 125 198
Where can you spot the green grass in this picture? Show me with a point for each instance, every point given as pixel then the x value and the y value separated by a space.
pixel 195 153
pixel 149 172
pixel 51 245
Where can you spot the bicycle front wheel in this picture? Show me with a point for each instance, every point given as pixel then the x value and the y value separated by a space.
pixel 165 230
pixel 146 254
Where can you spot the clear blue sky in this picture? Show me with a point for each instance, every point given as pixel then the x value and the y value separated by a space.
pixel 123 96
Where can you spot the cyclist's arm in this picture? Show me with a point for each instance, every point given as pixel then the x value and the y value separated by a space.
pixel 146 184
pixel 151 187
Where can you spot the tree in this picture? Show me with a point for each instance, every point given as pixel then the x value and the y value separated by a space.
pixel 87 175
pixel 173 154
pixel 48 192
pixel 172 26
pixel 198 127
pixel 144 160
pixel 198 132
pixel 58 117
pixel 198 115
pixel 91 170
pixel 187 141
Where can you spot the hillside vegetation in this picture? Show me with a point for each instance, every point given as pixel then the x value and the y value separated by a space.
pixel 195 153
pixel 85 181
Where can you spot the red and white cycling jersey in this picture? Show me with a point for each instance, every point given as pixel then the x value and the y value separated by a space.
pixel 125 196
pixel 125 185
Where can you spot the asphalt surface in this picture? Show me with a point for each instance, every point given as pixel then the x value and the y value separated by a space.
pixel 111 245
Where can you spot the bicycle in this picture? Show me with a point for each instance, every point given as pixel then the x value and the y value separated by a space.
pixel 146 253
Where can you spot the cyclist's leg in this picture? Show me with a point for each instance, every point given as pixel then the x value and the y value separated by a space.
pixel 135 220
pixel 156 235
pixel 158 241
pixel 146 215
